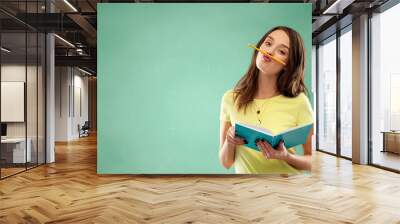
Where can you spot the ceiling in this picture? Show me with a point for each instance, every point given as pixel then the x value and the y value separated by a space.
pixel 76 22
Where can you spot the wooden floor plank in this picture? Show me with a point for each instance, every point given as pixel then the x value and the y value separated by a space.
pixel 70 191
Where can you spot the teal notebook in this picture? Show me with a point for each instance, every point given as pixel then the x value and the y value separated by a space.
pixel 292 137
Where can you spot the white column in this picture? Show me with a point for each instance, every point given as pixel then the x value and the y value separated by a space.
pixel 50 91
pixel 360 90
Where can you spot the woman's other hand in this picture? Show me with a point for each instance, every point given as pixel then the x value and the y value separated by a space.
pixel 233 140
pixel 270 153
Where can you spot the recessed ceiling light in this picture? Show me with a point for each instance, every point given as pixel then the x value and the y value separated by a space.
pixel 5 50
pixel 333 8
pixel 70 5
pixel 84 71
pixel 64 40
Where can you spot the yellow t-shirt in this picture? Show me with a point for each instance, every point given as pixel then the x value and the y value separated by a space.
pixel 277 114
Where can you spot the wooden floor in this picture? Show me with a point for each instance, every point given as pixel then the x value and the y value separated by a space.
pixel 5 172
pixel 70 191
pixel 387 159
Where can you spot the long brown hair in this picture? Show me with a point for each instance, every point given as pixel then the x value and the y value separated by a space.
pixel 290 81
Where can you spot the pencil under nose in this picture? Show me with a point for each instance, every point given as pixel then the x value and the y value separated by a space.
pixel 268 55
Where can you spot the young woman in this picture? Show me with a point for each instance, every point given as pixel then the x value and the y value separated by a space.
pixel 271 95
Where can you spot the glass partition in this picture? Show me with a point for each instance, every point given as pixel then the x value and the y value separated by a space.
pixel 327 95
pixel 14 153
pixel 385 89
pixel 22 78
pixel 346 93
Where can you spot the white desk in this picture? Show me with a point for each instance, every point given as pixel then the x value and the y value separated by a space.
pixel 18 149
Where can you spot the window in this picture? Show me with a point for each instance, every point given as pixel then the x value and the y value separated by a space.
pixel 385 89
pixel 327 95
pixel 346 93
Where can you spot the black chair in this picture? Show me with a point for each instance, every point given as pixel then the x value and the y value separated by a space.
pixel 84 130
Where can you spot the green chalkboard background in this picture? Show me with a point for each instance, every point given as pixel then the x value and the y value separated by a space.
pixel 162 70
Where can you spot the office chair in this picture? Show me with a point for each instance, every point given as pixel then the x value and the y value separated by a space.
pixel 84 130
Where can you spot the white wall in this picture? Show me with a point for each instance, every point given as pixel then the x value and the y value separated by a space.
pixel 15 72
pixel 62 81
pixel 70 83
pixel 9 73
pixel 79 111
pixel 33 127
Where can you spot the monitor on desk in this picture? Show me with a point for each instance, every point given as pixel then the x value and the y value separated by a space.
pixel 3 130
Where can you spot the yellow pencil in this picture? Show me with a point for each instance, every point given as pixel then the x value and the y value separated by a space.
pixel 268 55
